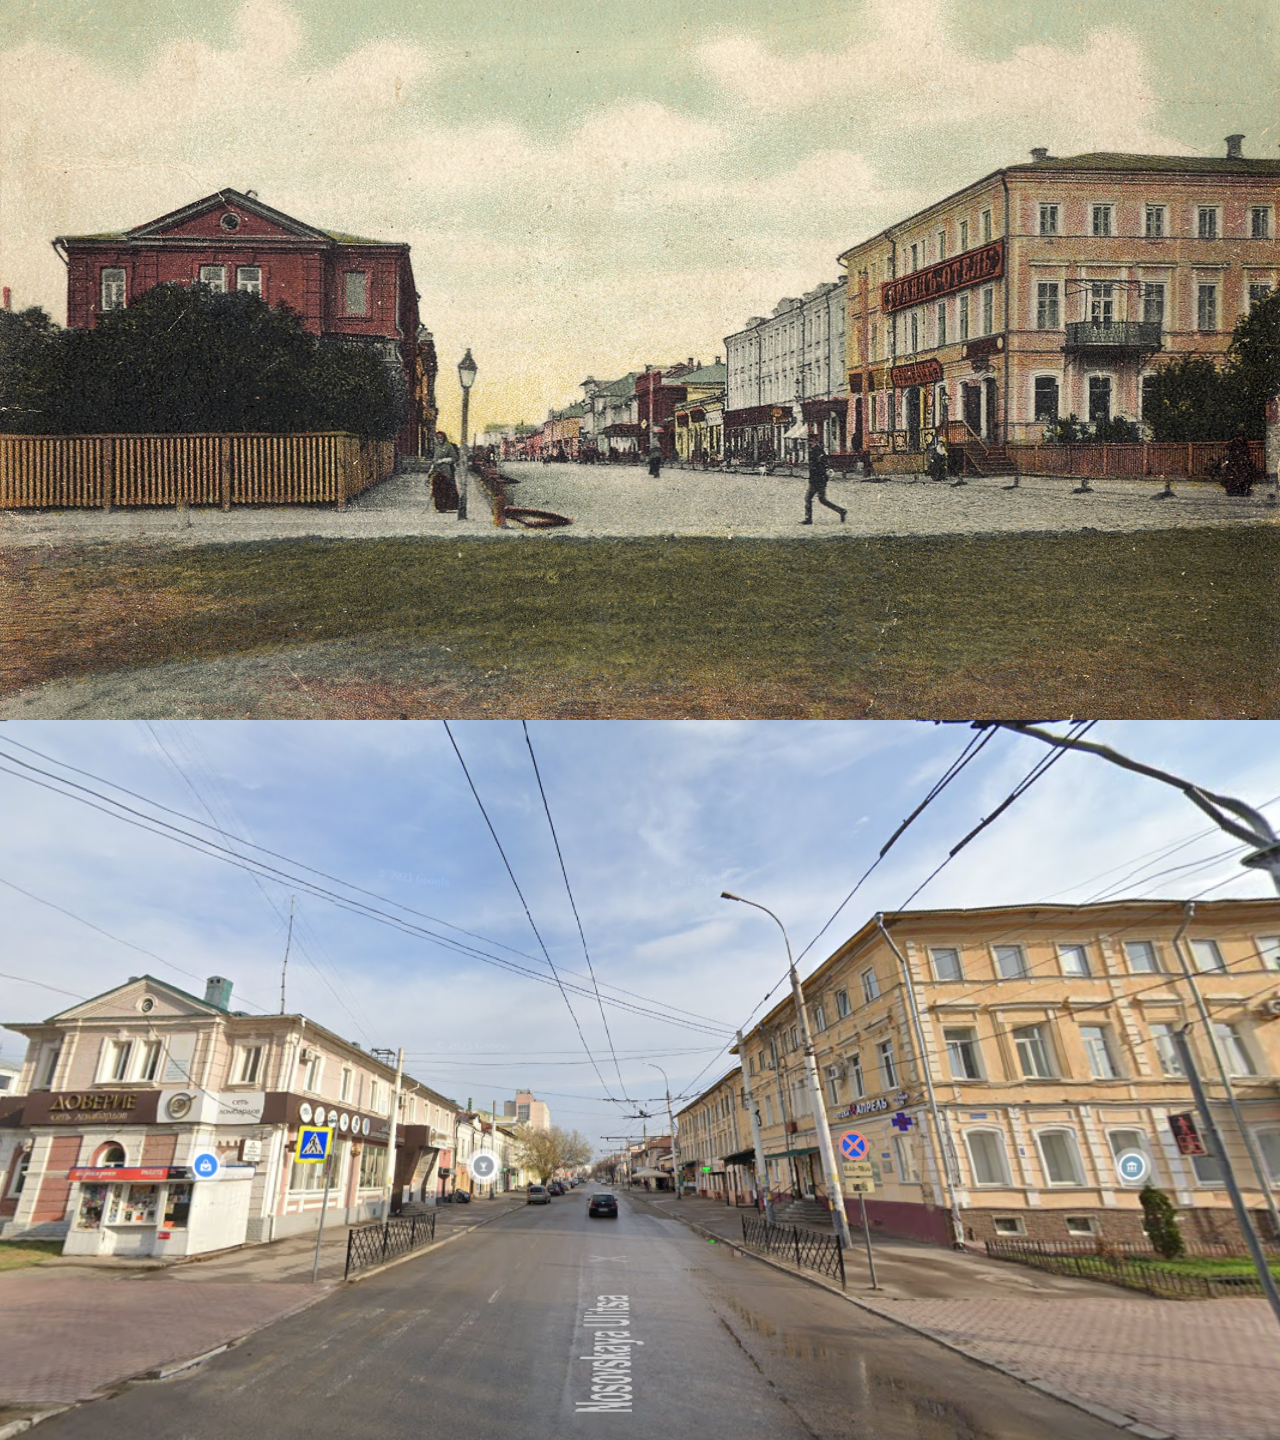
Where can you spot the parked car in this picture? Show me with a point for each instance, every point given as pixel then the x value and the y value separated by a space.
pixel 603 1204
pixel 462 1197
pixel 555 1187
pixel 537 1195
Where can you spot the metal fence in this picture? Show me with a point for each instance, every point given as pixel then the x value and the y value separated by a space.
pixel 103 471
pixel 1128 1267
pixel 806 1249
pixel 376 1244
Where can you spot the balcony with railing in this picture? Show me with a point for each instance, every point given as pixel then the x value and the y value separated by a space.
pixel 1134 335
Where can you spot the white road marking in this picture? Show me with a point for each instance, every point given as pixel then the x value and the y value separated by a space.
pixel 495 1294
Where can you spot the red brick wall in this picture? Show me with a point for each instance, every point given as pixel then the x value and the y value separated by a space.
pixel 159 1149
pixel 55 1186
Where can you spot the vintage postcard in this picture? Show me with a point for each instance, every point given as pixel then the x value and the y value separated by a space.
pixel 853 358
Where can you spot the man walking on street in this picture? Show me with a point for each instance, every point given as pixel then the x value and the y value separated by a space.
pixel 818 484
pixel 655 457
pixel 444 462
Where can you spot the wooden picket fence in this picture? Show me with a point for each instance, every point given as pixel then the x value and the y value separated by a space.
pixel 1191 460
pixel 103 471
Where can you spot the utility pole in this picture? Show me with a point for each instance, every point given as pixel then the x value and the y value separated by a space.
pixel 1219 1152
pixel 288 942
pixel 390 1177
pixel 825 1148
pixel 763 1198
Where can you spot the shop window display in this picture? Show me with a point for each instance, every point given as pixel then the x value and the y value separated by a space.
pixel 177 1207
pixel 134 1205
pixel 92 1200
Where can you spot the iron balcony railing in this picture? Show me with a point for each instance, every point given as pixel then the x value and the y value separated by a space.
pixel 382 1241
pixel 1114 335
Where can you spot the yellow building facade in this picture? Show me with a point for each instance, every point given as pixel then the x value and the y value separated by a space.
pixel 1052 288
pixel 996 1063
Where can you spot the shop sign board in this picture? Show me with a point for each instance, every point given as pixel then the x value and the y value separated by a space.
pixel 1187 1135
pixel 918 372
pixel 862 1187
pixel 973 267
pixel 147 1174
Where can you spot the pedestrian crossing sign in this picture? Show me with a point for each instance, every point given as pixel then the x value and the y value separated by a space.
pixel 314 1144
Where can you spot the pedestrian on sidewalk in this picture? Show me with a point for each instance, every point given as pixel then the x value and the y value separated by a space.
pixel 444 461
pixel 818 484
pixel 655 458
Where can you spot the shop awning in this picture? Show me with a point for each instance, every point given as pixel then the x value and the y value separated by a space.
pixel 800 1150
pixel 739 1157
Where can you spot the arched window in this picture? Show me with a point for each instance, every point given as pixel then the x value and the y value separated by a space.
pixel 988 1157
pixel 1060 1157
pixel 111 1154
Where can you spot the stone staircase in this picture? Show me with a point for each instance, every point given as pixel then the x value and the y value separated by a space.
pixel 993 460
pixel 807 1214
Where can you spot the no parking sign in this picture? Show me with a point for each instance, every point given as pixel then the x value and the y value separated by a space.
pixel 853 1146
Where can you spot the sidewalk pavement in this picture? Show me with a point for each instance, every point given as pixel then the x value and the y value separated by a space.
pixel 1190 1369
pixel 617 502
pixel 74 1329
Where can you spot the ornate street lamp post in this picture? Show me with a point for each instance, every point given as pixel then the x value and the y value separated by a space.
pixel 466 378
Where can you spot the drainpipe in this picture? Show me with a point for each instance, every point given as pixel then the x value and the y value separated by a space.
pixel 1004 181
pixel 943 1134
pixel 1259 1170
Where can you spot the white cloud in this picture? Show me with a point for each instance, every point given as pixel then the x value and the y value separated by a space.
pixel 908 69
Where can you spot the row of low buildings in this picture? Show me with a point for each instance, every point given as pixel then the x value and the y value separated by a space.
pixel 1046 289
pixel 119 1095
pixel 996 1063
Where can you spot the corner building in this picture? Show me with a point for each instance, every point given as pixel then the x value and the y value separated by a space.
pixel 1052 288
pixel 1042 1052
pixel 120 1093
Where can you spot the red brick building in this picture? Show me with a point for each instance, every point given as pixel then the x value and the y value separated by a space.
pixel 344 287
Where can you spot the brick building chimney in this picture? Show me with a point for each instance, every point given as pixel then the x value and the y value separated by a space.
pixel 1235 147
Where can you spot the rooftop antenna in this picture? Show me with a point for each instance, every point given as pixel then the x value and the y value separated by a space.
pixel 288 942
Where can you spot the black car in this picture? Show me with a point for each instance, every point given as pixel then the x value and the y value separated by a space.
pixel 603 1204
pixel 462 1197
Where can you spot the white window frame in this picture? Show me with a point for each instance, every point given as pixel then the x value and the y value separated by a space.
pixel 1150 290
pixel 1081 1225
pixel 1155 967
pixel 940 323
pixel 887 1063
pixel 954 952
pixel 1082 951
pixel 956 1049
pixel 249 279
pixel 1037 1036
pixel 1268 1139
pixel 964 236
pixel 1036 417
pixel 1012 1225
pixel 1099 1050
pixel 942 244
pixel 1207 290
pixel 112 288
pixel 819 1017
pixel 218 282
pixel 870 985
pixel 1265 212
pixel 833 1084
pixel 1166 1049
pixel 249 1059
pixel 1268 947
pixel 853 1069
pixel 115 1062
pixel 905 1153
pixel 314 1074
pixel 964 308
pixel 150 1054
pixel 1235 1053
pixel 1051 211
pixel 344 1086
pixel 1079 1178
pixel 1141 1142
pixel 844 1009
pixel 987 231
pixel 1021 972
pixel 988 309
pixel 1104 211
pixel 47 1065
pixel 1200 948
pixel 1002 1152
pixel 1160 213
pixel 1048 305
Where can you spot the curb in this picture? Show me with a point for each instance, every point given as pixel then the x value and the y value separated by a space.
pixel 421 1250
pixel 1117 1418
pixel 21 1426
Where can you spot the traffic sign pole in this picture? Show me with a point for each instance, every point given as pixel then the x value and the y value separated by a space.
pixel 1219 1153
pixel 866 1235
pixel 324 1210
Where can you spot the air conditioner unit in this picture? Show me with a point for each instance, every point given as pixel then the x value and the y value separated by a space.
pixel 305 1057
pixel 1270 1008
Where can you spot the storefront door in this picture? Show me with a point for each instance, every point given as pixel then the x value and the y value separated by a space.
pixel 992 431
pixel 971 397
pixel 913 417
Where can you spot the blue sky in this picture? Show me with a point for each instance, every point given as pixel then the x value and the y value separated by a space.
pixel 654 820
pixel 588 188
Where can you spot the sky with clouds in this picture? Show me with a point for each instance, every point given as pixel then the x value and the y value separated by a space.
pixel 654 820
pixel 586 187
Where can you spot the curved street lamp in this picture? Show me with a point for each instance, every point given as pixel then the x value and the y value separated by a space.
pixel 825 1148
pixel 466 378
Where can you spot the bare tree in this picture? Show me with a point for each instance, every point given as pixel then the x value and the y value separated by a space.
pixel 543 1152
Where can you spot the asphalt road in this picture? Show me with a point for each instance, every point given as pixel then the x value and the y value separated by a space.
pixel 493 1337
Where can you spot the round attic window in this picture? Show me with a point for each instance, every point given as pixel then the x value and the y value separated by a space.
pixel 147 1006
pixel 230 221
